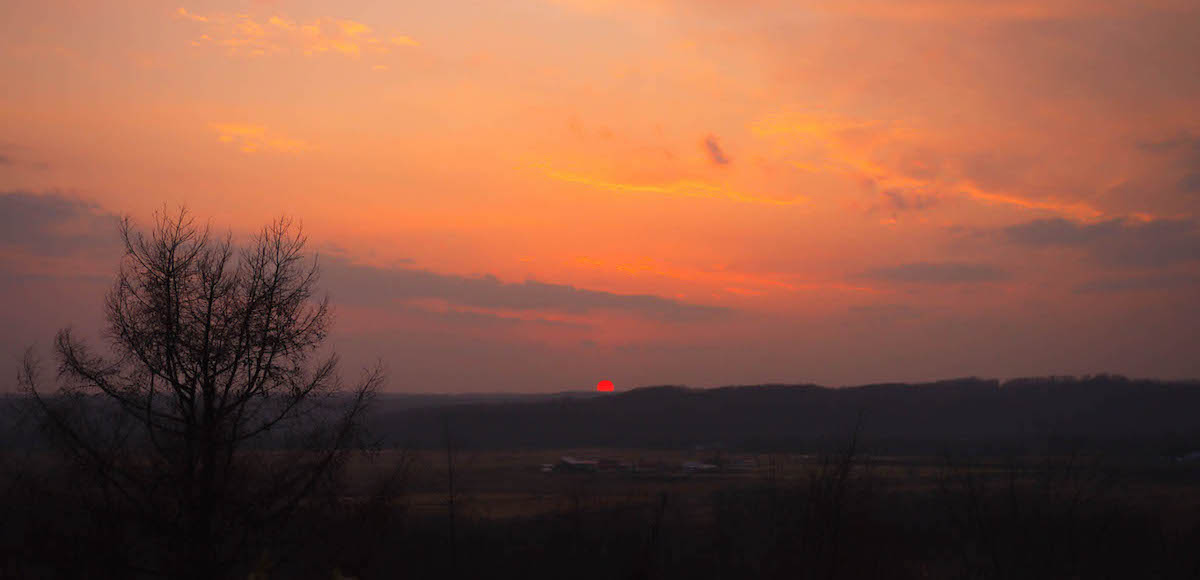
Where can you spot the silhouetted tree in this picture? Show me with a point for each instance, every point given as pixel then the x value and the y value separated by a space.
pixel 212 416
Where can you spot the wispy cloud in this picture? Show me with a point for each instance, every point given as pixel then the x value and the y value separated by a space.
pixel 1074 209
pixel 49 237
pixel 1184 150
pixel 364 285
pixel 1142 283
pixel 864 150
pixel 990 13
pixel 938 273
pixel 183 13
pixel 13 155
pixel 901 200
pixel 1154 243
pixel 732 282
pixel 52 224
pixel 681 188
pixel 715 153
pixel 245 35
pixel 256 138
pixel 650 267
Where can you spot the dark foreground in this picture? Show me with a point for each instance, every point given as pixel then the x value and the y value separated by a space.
pixel 839 515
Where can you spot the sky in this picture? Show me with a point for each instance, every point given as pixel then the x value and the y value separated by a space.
pixel 536 195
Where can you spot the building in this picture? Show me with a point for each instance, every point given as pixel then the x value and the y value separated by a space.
pixel 572 465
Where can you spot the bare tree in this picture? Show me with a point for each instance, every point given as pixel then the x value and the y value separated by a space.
pixel 212 416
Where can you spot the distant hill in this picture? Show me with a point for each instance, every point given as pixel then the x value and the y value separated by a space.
pixel 1107 413
pixel 401 401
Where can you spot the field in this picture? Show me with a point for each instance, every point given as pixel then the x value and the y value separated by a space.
pixel 827 516
pixel 652 513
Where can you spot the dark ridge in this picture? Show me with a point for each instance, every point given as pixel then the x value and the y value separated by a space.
pixel 1105 413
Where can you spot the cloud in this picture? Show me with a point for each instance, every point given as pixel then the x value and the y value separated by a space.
pixel 1170 281
pixel 1184 151
pixel 1180 143
pixel 715 154
pixel 367 286
pixel 988 12
pixel 13 155
pixel 682 188
pixel 1190 183
pixel 884 312
pixel 243 34
pixel 1117 242
pixel 893 157
pixel 937 273
pixel 183 13
pixel 902 200
pixel 1060 232
pixel 54 225
pixel 1077 209
pixel 256 138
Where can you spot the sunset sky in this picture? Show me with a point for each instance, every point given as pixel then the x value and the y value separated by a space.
pixel 534 195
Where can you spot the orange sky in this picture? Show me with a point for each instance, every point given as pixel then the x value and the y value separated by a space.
pixel 534 195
